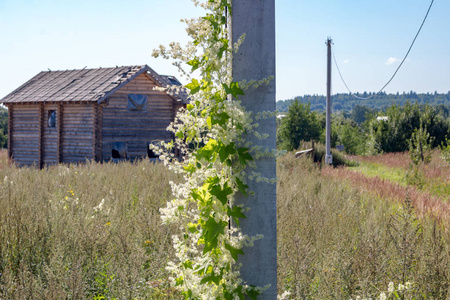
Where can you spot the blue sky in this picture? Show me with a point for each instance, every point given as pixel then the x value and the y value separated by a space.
pixel 370 38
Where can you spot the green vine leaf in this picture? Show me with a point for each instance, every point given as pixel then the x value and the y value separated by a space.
pixel 192 227
pixel 187 264
pixel 233 89
pixel 241 186
pixel 211 277
pixel 190 107
pixel 208 152
pixel 253 294
pixel 195 63
pixel 179 281
pixel 211 232
pixel 234 251
pixel 180 135
pixel 220 119
pixel 226 150
pixel 236 213
pixel 221 193
pixel 243 156
pixel 190 168
pixel 194 86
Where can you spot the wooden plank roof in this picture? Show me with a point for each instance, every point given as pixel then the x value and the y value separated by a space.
pixel 85 85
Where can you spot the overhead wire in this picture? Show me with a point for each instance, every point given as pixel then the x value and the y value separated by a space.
pixel 398 68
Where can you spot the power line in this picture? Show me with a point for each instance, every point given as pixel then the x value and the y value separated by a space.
pixel 398 68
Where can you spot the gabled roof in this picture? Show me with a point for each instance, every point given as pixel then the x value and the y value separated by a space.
pixel 82 85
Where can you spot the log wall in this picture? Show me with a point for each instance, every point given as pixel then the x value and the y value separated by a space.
pixel 50 136
pixel 77 138
pixel 25 139
pixel 87 130
pixel 136 128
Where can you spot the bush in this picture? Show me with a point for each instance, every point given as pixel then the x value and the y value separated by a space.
pixel 445 151
pixel 299 124
pixel 393 134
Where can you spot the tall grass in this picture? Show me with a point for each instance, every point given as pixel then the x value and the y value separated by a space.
pixel 432 178
pixel 337 241
pixel 79 232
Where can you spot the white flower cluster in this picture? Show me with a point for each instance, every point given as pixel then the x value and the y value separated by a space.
pixel 206 246
pixel 391 292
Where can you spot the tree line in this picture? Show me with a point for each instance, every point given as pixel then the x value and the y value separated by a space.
pixel 346 102
pixel 365 130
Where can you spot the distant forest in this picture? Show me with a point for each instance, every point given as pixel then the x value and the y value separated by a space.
pixel 346 102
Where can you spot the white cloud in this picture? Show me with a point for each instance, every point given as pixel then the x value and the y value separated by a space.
pixel 391 60
pixel 346 61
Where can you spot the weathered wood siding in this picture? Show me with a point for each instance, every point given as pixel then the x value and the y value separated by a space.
pixel 86 131
pixel 50 137
pixel 77 136
pixel 25 139
pixel 136 128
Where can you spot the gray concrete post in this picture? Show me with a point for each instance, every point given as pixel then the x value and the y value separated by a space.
pixel 255 59
pixel 328 156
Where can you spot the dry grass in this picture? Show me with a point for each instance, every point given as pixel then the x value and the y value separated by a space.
pixel 337 240
pixel 57 241
pixel 437 169
pixel 393 160
pixel 3 158
pixel 423 201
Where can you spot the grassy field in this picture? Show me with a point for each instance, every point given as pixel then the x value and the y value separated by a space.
pixel 84 232
pixel 93 232
pixel 343 234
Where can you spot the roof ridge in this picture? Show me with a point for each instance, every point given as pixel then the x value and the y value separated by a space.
pixel 90 85
pixel 88 69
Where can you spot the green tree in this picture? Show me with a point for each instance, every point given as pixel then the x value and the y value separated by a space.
pixel 299 124
pixel 420 145
pixel 394 133
pixel 360 113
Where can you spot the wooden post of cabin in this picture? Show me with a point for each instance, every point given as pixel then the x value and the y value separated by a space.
pixel 99 134
pixel 10 130
pixel 94 131
pixel 41 135
pixel 59 122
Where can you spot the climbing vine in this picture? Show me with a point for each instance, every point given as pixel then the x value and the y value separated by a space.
pixel 209 135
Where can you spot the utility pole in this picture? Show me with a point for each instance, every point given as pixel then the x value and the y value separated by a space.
pixel 255 60
pixel 328 156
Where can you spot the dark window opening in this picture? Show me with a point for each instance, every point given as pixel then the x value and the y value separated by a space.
pixel 150 152
pixel 51 118
pixel 119 150
pixel 137 102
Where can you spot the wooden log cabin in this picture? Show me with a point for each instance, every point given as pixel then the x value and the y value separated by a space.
pixel 90 114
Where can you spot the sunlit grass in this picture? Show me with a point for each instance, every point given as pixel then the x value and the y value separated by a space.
pixel 372 169
pixel 337 239
pixel 395 167
pixel 342 235
pixel 85 232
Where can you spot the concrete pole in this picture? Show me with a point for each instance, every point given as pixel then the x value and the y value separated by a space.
pixel 328 156
pixel 256 60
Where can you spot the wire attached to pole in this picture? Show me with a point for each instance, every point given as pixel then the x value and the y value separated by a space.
pixel 398 68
